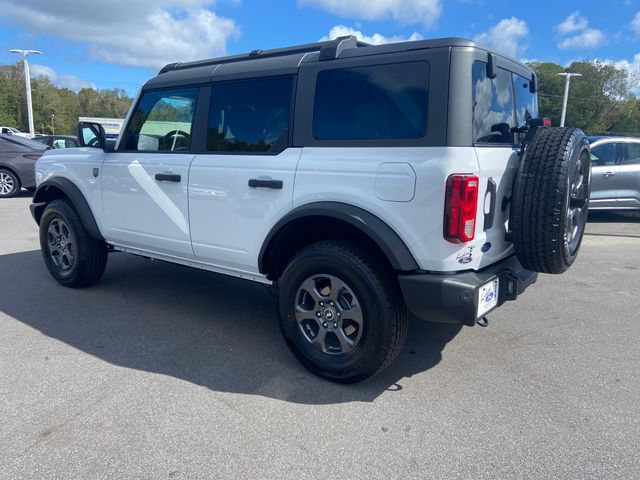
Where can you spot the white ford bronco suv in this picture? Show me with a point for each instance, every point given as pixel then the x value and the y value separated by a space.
pixel 362 182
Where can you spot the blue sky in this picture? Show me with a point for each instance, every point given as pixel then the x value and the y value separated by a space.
pixel 121 43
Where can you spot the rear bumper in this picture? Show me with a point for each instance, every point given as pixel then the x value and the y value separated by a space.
pixel 454 297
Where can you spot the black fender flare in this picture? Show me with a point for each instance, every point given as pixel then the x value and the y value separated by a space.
pixel 383 235
pixel 43 195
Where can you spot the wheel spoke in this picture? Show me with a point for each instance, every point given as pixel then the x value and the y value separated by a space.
pixel 319 341
pixel 346 344
pixel 309 286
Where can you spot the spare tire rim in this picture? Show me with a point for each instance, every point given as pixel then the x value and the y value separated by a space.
pixel 329 314
pixel 7 185
pixel 62 249
pixel 577 204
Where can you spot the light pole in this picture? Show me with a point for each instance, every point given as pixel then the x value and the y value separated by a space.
pixel 567 76
pixel 27 82
pixel 53 131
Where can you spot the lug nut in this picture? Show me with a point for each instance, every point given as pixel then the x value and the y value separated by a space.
pixel 335 325
pixel 318 314
pixel 322 304
pixel 338 314
pixel 325 324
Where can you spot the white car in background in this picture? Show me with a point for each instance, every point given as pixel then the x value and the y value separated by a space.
pixel 13 131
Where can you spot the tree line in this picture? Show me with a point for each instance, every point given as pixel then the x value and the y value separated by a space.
pixel 601 102
pixel 65 105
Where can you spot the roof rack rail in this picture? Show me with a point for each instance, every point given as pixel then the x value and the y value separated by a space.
pixel 329 50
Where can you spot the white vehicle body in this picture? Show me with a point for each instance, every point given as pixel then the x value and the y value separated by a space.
pixel 216 222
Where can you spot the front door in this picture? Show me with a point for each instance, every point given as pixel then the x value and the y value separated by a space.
pixel 244 183
pixel 145 182
pixel 605 175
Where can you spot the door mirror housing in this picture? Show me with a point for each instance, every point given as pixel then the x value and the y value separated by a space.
pixel 91 134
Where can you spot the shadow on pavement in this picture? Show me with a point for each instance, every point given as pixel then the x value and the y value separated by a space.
pixel 211 330
pixel 597 216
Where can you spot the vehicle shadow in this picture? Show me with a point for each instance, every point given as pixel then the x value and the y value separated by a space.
pixel 215 331
pixel 597 216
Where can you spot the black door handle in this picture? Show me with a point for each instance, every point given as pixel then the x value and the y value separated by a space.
pixel 168 177
pixel 259 183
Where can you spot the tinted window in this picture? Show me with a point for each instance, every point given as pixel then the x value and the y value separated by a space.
pixel 162 121
pixel 383 101
pixel 250 116
pixel 633 153
pixel 493 107
pixel 604 154
pixel 526 102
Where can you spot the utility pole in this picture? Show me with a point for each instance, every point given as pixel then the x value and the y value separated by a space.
pixel 53 130
pixel 27 82
pixel 567 81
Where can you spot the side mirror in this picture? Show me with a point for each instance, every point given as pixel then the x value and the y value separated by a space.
pixel 91 134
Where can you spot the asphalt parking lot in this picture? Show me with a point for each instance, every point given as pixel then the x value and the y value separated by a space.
pixel 159 371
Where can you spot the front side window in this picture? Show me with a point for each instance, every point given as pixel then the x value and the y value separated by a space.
pixel 162 121
pixel 250 115
pixel 493 106
pixel 604 154
pixel 373 102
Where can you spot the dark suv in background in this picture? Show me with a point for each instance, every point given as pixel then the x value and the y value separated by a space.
pixel 17 164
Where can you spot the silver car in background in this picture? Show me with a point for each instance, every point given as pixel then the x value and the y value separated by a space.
pixel 615 182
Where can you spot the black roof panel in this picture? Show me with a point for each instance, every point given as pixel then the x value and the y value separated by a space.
pixel 283 61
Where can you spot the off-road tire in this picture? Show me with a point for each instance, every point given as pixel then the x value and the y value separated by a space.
pixel 384 316
pixel 90 254
pixel 549 208
pixel 13 178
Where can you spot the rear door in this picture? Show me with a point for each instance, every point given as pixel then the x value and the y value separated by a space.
pixel 243 184
pixel 605 174
pixel 144 183
pixel 629 183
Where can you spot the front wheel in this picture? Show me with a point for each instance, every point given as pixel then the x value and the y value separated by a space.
pixel 341 311
pixel 9 184
pixel 72 257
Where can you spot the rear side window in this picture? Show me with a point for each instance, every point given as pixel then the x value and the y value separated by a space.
pixel 493 106
pixel 526 102
pixel 633 154
pixel 372 102
pixel 162 121
pixel 250 116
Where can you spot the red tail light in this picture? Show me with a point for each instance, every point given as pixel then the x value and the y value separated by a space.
pixel 546 121
pixel 32 156
pixel 461 202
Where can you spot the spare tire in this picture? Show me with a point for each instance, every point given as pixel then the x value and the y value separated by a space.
pixel 551 199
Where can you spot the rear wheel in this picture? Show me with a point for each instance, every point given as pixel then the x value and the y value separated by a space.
pixel 72 257
pixel 9 183
pixel 341 311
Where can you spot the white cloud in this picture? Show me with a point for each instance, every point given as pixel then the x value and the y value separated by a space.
pixel 425 12
pixel 573 23
pixel 506 36
pixel 633 67
pixel 587 38
pixel 635 24
pixel 65 81
pixel 590 38
pixel 145 33
pixel 375 39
